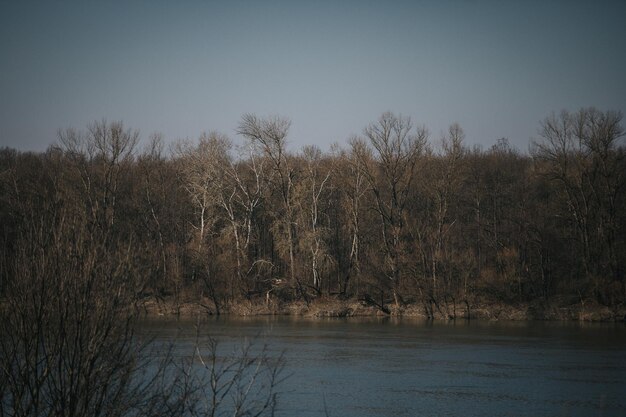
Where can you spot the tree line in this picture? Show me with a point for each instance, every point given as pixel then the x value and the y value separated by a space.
pixel 393 215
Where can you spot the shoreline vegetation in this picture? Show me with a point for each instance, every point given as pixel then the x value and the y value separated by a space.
pixel 393 223
pixel 552 310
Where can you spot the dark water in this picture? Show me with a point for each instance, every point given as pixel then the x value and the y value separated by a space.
pixel 376 367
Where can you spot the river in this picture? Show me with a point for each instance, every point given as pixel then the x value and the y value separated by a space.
pixel 403 367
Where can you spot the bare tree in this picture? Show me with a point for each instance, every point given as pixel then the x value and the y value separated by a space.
pixel 69 347
pixel 354 190
pixel 270 135
pixel 579 152
pixel 154 191
pixel 443 188
pixel 202 168
pixel 242 190
pixel 313 184
pixel 390 179
pixel 242 382
pixel 102 156
pixel 203 174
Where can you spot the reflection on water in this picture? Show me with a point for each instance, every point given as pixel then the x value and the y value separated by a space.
pixel 403 367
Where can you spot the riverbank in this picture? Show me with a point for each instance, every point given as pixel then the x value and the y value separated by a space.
pixel 555 310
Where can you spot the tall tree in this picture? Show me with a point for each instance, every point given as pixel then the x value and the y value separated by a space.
pixel 397 151
pixel 270 135
pixel 102 157
pixel 315 181
pixel 443 188
pixel 580 153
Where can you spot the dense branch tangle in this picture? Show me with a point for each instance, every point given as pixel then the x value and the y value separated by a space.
pixel 390 176
pixel 390 217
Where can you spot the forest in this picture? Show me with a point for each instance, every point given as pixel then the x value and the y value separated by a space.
pixel 392 218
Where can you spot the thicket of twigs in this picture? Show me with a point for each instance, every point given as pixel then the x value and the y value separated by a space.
pixel 394 215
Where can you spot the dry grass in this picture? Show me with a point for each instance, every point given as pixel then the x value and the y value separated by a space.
pixel 332 307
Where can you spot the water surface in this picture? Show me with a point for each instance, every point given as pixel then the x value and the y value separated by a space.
pixel 386 367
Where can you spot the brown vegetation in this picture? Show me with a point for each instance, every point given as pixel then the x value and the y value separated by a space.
pixel 394 223
pixel 73 272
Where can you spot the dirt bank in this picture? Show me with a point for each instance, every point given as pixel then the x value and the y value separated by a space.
pixel 333 307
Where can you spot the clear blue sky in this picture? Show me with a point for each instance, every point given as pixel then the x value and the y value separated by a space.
pixel 332 67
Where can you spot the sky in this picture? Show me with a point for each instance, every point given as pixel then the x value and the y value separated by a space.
pixel 332 67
